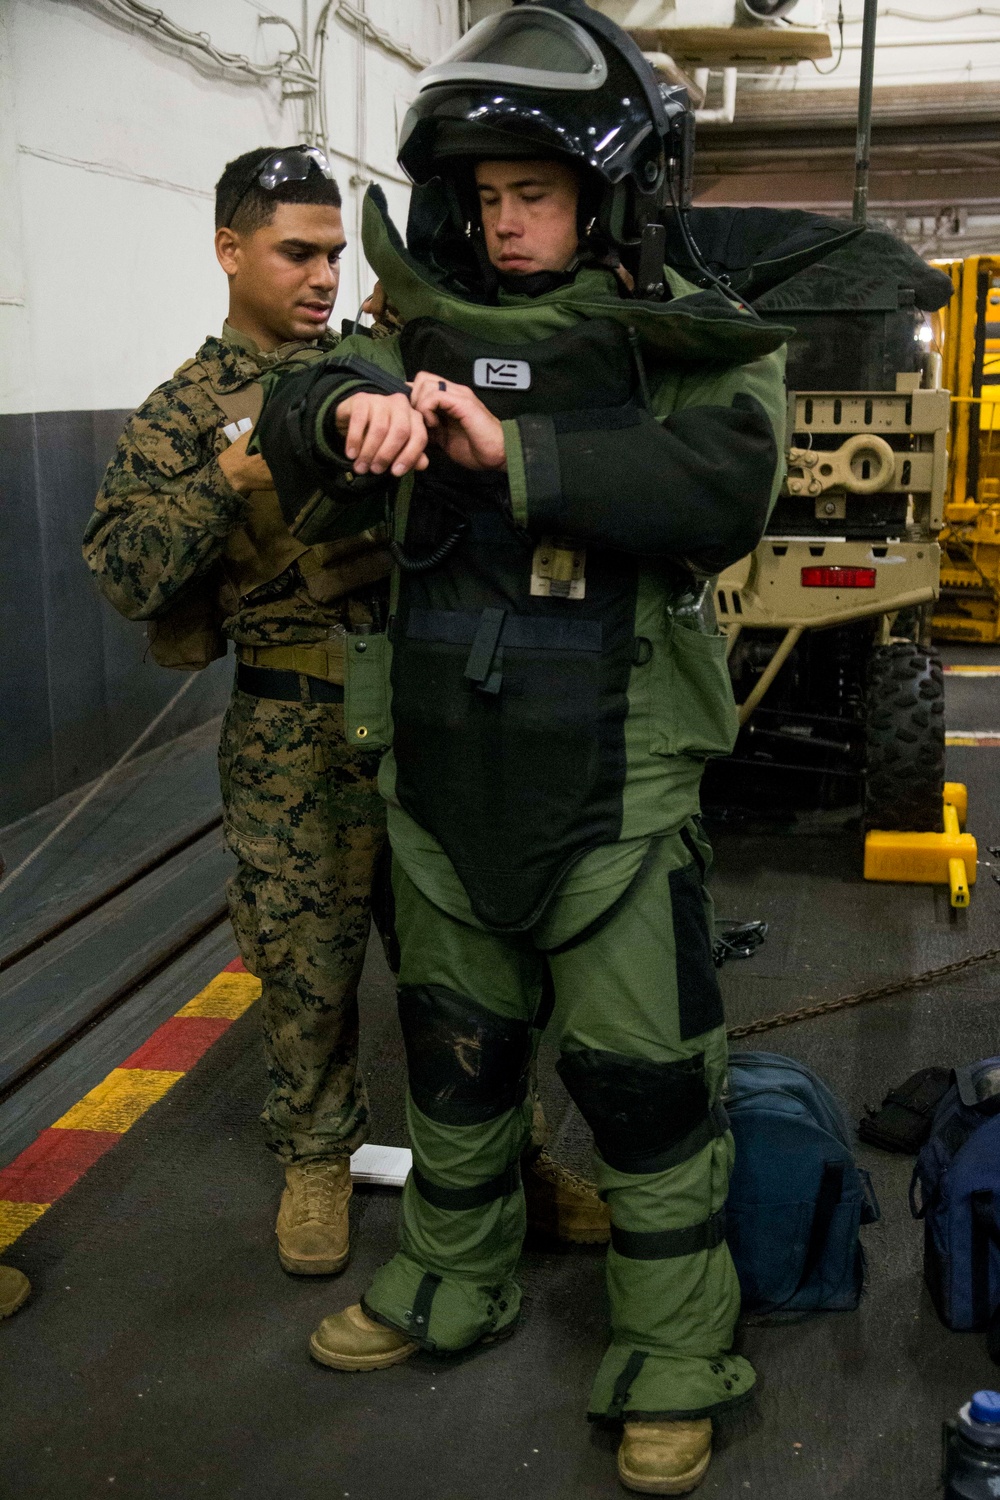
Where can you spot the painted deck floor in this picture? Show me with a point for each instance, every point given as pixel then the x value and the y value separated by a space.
pixel 164 1351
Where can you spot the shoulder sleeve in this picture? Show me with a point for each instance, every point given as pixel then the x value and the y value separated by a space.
pixel 693 480
pixel 321 496
pixel 165 508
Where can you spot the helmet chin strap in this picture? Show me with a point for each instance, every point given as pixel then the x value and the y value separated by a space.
pixel 488 271
pixel 466 214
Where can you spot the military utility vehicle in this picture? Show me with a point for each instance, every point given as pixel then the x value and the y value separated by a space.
pixel 841 696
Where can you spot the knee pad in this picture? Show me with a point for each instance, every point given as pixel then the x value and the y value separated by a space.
pixel 466 1064
pixel 646 1116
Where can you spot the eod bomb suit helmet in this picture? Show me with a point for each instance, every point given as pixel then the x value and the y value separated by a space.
pixel 557 79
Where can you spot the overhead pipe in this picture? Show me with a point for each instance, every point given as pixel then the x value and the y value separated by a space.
pixel 957 38
pixel 727 113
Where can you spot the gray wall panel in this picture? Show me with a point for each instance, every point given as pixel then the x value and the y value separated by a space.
pixel 76 685
pixel 25 738
pixel 66 486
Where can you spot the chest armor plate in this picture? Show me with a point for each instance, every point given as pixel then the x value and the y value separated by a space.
pixel 509 709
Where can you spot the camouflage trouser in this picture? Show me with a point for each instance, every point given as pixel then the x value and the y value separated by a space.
pixel 306 823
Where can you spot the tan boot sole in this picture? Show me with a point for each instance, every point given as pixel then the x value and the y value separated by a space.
pixel 682 1485
pixel 396 1356
pixel 296 1266
pixel 360 1361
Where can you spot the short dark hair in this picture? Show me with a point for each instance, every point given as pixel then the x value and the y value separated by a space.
pixel 238 185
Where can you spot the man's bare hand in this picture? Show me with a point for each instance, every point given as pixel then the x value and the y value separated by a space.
pixel 459 423
pixel 378 306
pixel 376 302
pixel 382 432
pixel 245 471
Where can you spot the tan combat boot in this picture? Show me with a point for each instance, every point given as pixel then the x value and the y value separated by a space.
pixel 349 1340
pixel 15 1289
pixel 665 1458
pixel 312 1227
pixel 561 1205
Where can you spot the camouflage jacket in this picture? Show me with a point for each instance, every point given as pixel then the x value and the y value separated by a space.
pixel 165 508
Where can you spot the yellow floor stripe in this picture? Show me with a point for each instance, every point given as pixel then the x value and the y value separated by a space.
pixel 988 738
pixel 15 1218
pixel 119 1101
pixel 228 995
pixel 972 671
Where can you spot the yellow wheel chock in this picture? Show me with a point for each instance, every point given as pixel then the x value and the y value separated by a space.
pixel 947 858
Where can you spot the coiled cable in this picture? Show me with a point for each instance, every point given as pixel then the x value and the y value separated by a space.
pixel 435 558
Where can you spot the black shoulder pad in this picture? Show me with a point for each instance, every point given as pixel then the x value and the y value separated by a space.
pixel 370 373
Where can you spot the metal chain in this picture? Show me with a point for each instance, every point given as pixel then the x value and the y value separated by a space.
pixel 861 997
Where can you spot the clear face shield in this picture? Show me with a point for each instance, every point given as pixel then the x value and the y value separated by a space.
pixel 531 47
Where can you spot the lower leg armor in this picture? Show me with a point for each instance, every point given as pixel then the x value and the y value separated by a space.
pixel 469 1116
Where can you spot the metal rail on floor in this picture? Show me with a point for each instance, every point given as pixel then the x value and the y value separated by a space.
pixel 154 966
pixel 59 984
pixel 89 907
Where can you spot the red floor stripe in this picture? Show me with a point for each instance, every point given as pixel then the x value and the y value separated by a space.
pixel 52 1163
pixel 178 1044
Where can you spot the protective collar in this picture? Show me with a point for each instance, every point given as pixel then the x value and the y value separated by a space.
pixel 693 328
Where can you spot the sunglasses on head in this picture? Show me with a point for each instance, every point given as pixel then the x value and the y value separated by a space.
pixel 287 165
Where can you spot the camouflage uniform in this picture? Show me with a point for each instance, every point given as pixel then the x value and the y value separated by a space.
pixel 302 812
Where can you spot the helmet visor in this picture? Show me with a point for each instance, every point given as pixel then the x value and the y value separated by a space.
pixel 534 47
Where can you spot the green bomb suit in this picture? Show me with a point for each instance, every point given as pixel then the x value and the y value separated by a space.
pixel 542 784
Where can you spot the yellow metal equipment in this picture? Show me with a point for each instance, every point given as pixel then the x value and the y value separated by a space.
pixel 947 858
pixel 958 795
pixel 967 335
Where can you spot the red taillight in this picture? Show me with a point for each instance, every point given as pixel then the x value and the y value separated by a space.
pixel 838 578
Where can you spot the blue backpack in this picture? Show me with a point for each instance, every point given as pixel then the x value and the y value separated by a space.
pixel 797 1198
pixel 958 1177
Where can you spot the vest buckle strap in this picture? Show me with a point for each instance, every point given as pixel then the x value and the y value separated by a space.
pixel 558 570
pixel 484 668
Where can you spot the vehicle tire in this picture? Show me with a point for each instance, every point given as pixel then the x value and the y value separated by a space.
pixel 904 731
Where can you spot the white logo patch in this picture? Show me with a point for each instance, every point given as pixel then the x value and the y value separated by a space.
pixel 502 374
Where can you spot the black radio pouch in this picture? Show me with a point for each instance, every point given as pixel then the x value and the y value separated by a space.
pixel 903 1123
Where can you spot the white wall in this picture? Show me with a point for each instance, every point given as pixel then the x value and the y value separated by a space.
pixel 111 140
pixel 919 41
